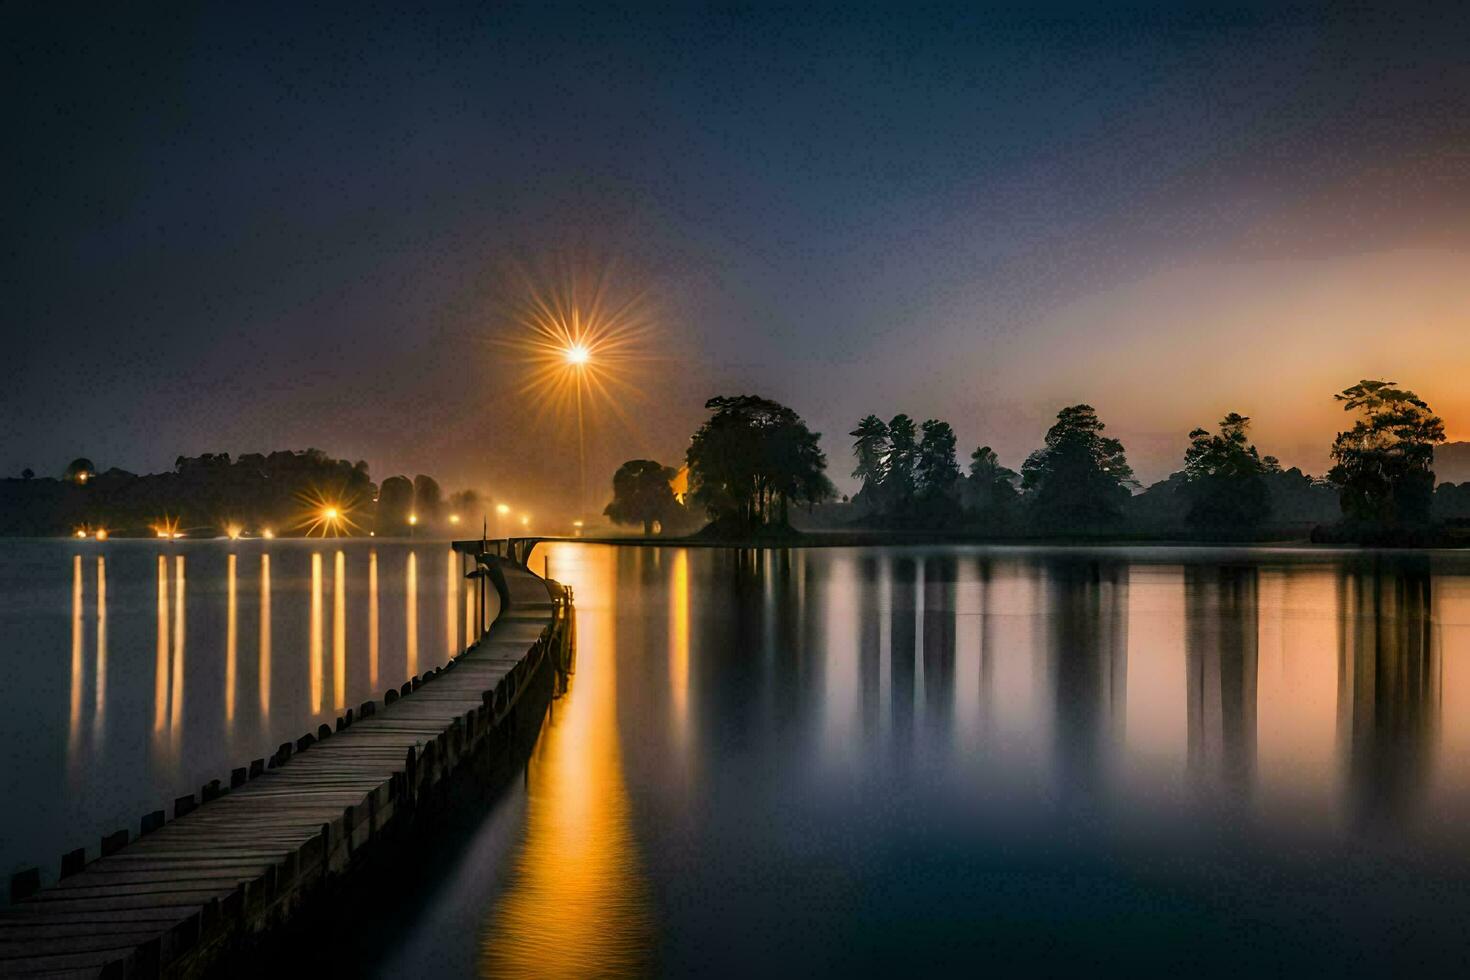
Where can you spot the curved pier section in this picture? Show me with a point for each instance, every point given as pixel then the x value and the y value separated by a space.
pixel 222 874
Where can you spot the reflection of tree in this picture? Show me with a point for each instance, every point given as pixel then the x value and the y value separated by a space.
pixel 1387 685
pixel 1221 655
pixel 939 640
pixel 1089 657
pixel 870 642
pixel 901 649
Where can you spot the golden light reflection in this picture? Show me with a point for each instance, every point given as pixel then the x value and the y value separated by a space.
pixel 314 641
pixel 176 694
pixel 100 695
pixel 75 718
pixel 411 614
pixel 451 603
pixel 339 632
pixel 160 661
pixel 679 646
pixel 469 613
pixel 577 865
pixel 373 620
pixel 231 637
pixel 264 659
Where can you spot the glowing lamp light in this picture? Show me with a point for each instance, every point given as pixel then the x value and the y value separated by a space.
pixel 454 518
pixel 160 532
pixel 267 533
pixel 577 355
pixel 576 523
pixel 233 532
pixel 413 518
pixel 331 513
pixel 502 509
pixel 102 534
pixel 177 535
pixel 525 519
pixel 81 533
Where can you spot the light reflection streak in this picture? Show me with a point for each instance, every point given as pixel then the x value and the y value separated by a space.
pixel 679 646
pixel 339 632
pixel 372 620
pixel 231 636
pixel 160 662
pixel 577 865
pixel 451 605
pixel 74 727
pixel 314 642
pixel 411 614
pixel 100 696
pixel 176 697
pixel 265 636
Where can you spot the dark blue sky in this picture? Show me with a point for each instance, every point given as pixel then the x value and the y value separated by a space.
pixel 254 227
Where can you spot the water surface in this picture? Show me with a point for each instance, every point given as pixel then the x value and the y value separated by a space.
pixel 136 671
pixel 862 761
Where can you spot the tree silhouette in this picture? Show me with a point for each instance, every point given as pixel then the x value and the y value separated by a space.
pixel 395 503
pixel 990 490
pixel 935 466
pixel 428 499
pixel 1225 478
pixel 1080 478
pixel 642 494
pixel 750 460
pixel 899 465
pixel 1384 465
pixel 871 450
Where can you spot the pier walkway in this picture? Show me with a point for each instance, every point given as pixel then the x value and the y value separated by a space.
pixel 205 884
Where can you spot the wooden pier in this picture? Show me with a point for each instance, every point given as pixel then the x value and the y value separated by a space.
pixel 223 873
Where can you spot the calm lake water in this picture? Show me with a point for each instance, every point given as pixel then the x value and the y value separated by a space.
pixel 835 762
pixel 136 671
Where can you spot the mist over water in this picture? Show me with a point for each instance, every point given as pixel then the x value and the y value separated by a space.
pixel 876 760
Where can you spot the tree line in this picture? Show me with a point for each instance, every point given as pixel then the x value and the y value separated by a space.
pixel 754 459
pixel 284 492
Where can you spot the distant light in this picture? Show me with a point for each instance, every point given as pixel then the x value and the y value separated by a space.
pixel 267 533
pixel 454 518
pixel 372 534
pixel 576 523
pixel 82 477
pixel 234 531
pixel 525 518
pixel 160 533
pixel 577 355
pixel 331 513
pixel 413 518
pixel 102 534
pixel 502 509
pixel 81 533
pixel 178 534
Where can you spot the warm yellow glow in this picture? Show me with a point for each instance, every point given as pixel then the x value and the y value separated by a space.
pixel 264 657
pixel 81 533
pixel 233 531
pixel 232 637
pixel 267 533
pixel 413 519
pixel 373 620
pixel 178 534
pixel 525 519
pixel 167 529
pixel 585 342
pixel 502 509
pixel 82 477
pixel 314 639
pixel 576 523
pixel 339 632
pixel 326 514
pixel 411 614
pixel 102 534
pixel 578 862
pixel 454 518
